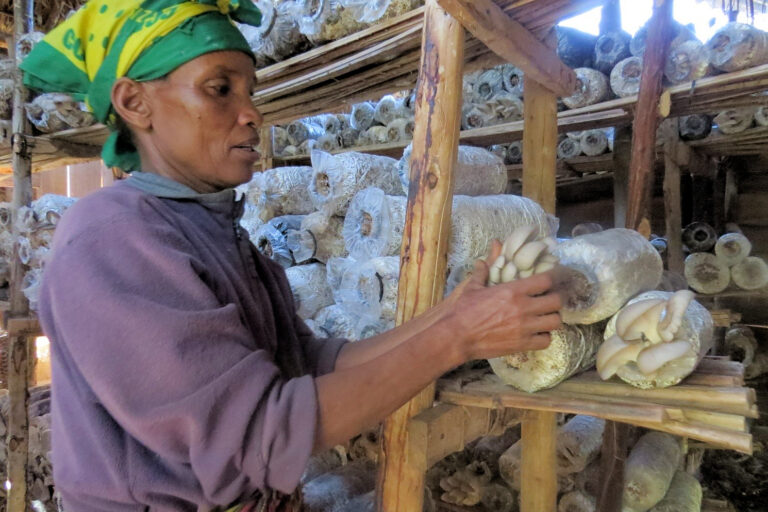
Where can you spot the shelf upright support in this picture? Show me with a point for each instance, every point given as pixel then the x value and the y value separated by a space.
pixel 18 339
pixel 424 251
pixel 641 167
pixel 539 429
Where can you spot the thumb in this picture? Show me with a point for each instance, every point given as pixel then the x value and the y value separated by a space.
pixel 479 275
pixel 494 253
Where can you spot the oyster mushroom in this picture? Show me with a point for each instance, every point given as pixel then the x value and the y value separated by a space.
pixel 645 358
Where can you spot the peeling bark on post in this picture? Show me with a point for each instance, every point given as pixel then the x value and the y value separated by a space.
pixel 426 234
pixel 673 215
pixel 18 342
pixel 647 117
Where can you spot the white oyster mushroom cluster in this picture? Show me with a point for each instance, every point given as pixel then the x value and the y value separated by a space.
pixel 524 254
pixel 646 333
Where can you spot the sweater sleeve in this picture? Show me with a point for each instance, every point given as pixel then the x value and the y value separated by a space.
pixel 321 353
pixel 174 367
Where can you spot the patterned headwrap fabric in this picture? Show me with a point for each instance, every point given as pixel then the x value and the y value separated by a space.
pixel 139 39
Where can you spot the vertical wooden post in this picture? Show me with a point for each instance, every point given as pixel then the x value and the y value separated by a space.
pixel 267 150
pixel 539 431
pixel 673 214
pixel 539 144
pixel 18 368
pixel 622 148
pixel 426 235
pixel 641 168
pixel 613 455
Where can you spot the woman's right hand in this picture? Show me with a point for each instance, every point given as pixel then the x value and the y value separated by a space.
pixel 502 319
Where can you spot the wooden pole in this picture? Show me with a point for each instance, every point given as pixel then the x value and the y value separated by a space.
pixel 613 455
pixel 539 465
pixel 673 214
pixel 539 431
pixel 622 149
pixel 424 252
pixel 539 144
pixel 647 118
pixel 18 342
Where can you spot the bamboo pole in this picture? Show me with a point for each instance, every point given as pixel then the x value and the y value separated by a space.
pixel 426 234
pixel 646 117
pixel 673 214
pixel 539 431
pixel 18 342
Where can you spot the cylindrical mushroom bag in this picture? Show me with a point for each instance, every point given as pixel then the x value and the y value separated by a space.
pixel 337 178
pixel 372 286
pixel 609 268
pixel 573 349
pixel 306 244
pixel 738 46
pixel 286 190
pixel 478 172
pixel 592 87
pixel 310 288
pixel 656 340
pixel 374 224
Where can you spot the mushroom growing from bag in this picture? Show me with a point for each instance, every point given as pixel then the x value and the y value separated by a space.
pixel 656 340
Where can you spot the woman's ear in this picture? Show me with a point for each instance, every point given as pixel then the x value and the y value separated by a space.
pixel 131 103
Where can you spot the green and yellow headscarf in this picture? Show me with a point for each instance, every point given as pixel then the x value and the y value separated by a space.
pixel 139 39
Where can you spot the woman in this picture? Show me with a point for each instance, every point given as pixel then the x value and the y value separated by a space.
pixel 183 379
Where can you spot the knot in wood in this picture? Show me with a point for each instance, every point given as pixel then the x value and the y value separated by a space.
pixel 432 180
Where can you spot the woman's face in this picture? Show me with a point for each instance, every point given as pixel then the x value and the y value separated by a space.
pixel 204 129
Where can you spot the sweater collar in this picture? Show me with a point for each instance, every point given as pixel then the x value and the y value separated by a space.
pixel 225 201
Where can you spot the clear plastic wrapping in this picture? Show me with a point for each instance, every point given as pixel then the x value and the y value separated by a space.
pixel 390 108
pixel 594 142
pixel 376 134
pixel 611 267
pixel 284 189
pixel 512 79
pixel 301 130
pixel 341 321
pixel 7 67
pixel 362 115
pixel 30 286
pixel 610 48
pixel 6 99
pixel 279 36
pixel 271 238
pixel 625 77
pixel 310 288
pixel 26 43
pixel 697 328
pixel 50 207
pixel 591 88
pixel 371 11
pixel 507 107
pixel 478 172
pixel 349 137
pixel 325 20
pixel 687 61
pixel 400 130
pixel 573 349
pixel 374 224
pixel 54 112
pixel 738 46
pixel 305 244
pixel 335 269
pixel 569 147
pixel 477 115
pixel 372 286
pixel 489 83
pixel 695 126
pixel 329 142
pixel 337 178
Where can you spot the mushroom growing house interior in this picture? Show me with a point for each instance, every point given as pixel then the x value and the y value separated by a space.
pixel 621 149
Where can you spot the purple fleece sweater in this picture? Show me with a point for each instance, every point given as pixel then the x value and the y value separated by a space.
pixel 182 377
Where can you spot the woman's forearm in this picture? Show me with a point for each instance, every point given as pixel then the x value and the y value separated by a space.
pixel 360 352
pixel 354 398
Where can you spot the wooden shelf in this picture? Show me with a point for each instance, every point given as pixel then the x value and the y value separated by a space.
pixel 711 405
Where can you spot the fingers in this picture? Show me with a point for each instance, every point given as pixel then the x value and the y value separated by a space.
pixel 494 253
pixel 544 323
pixel 545 304
pixel 539 341
pixel 480 273
pixel 534 285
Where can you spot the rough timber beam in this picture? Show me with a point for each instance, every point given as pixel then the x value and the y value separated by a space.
pixel 513 42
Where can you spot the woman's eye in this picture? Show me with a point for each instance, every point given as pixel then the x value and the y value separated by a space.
pixel 221 90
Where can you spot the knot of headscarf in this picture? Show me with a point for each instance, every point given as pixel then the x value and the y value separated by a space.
pixel 139 39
